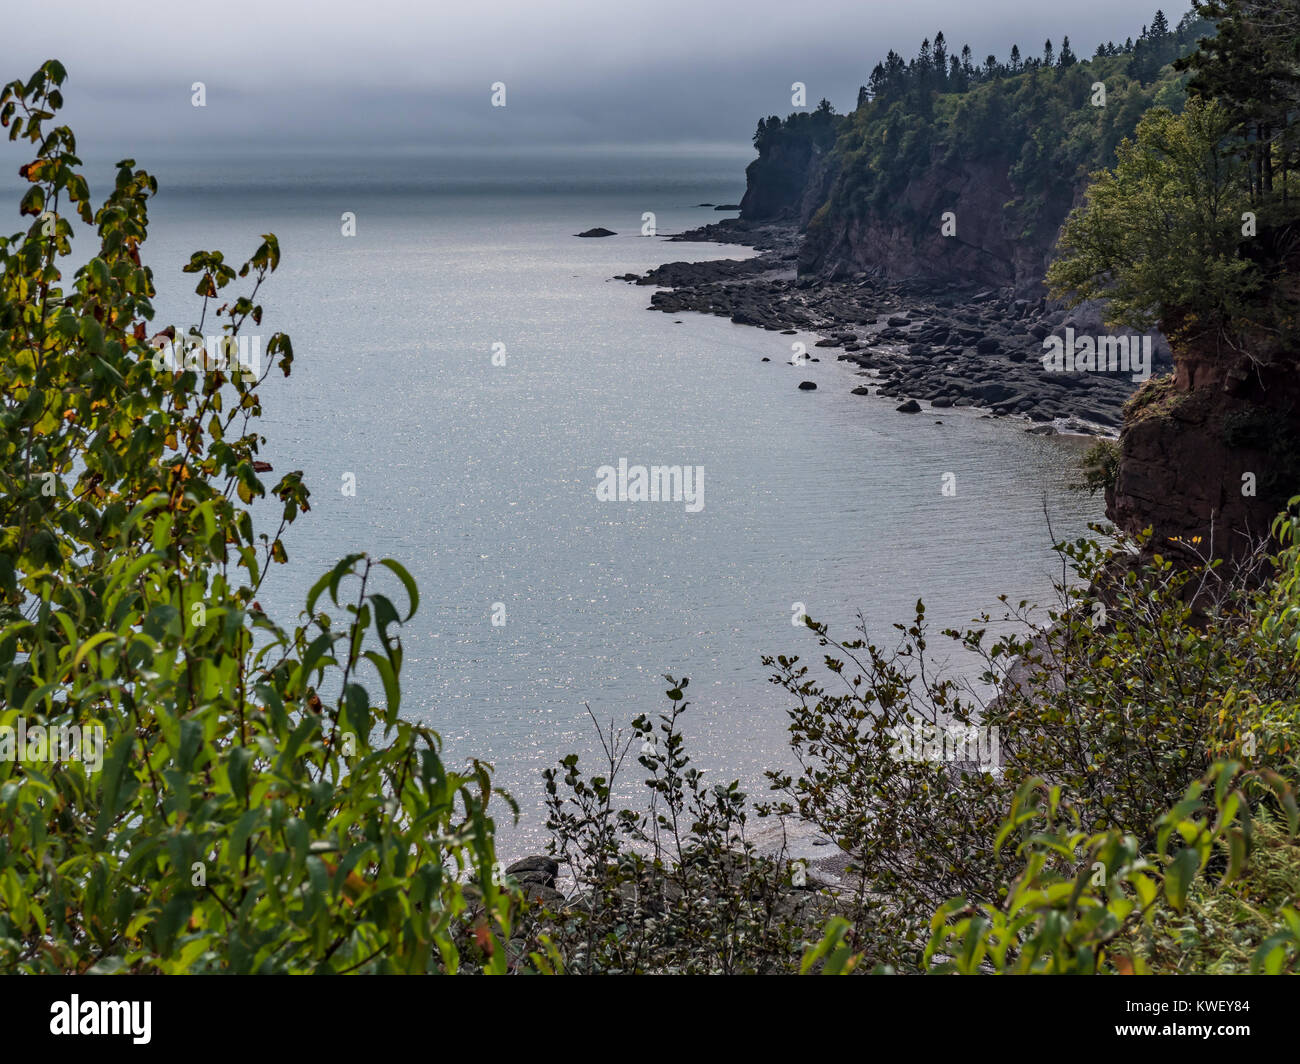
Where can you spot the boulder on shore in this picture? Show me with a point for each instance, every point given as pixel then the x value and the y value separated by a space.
pixel 909 407
pixel 536 871
pixel 807 386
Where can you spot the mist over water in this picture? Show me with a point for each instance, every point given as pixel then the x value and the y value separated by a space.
pixel 481 479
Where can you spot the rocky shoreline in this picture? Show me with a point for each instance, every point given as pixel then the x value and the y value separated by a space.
pixel 951 348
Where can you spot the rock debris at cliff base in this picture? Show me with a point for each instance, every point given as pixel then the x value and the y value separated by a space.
pixel 948 345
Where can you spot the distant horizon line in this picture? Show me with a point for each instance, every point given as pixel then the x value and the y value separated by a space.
pixel 102 150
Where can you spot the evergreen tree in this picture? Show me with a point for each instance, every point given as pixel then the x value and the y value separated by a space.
pixel 1047 53
pixel 1143 67
pixel 1163 231
pixel 1249 66
pixel 895 74
pixel 923 68
pixel 876 84
pixel 1067 58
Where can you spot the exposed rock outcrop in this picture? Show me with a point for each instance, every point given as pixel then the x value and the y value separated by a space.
pixel 775 182
pixel 1211 453
pixel 907 240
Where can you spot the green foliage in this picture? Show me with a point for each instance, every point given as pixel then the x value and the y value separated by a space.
pixel 1114 700
pixel 1212 885
pixel 677 885
pixel 1192 229
pixel 1156 396
pixel 1100 466
pixel 915 830
pixel 1246 926
pixel 1033 121
pixel 1143 676
pixel 1249 67
pixel 814 129
pixel 1082 899
pixel 240 821
pixel 776 178
pixel 1159 236
pixel 833 954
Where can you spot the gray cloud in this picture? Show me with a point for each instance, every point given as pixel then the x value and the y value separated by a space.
pixel 388 73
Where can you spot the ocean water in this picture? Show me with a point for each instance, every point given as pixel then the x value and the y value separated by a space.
pixel 481 478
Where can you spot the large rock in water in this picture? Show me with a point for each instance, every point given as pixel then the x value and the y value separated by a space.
pixel 909 407
pixel 807 386
pixel 598 232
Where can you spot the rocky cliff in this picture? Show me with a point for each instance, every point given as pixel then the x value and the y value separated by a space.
pixel 776 182
pixel 797 180
pixel 1210 454
pixel 987 246
pixel 1003 157
pixel 791 165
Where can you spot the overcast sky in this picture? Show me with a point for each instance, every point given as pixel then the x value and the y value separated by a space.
pixel 344 77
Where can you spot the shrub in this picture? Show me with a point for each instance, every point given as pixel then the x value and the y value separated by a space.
pixel 241 822
pixel 1100 466
pixel 1064 915
pixel 676 886
pixel 1111 708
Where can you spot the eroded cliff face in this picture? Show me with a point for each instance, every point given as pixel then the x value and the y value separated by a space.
pixel 905 240
pixel 776 183
pixel 1210 454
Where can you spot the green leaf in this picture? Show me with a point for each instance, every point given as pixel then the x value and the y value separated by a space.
pixel 412 592
pixel 1178 876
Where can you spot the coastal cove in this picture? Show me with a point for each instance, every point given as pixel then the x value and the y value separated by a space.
pixel 482 478
pixel 552 530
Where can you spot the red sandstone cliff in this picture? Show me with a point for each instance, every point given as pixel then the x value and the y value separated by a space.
pixel 1212 451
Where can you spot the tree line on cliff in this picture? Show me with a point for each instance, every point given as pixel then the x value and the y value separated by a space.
pixel 1040 121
